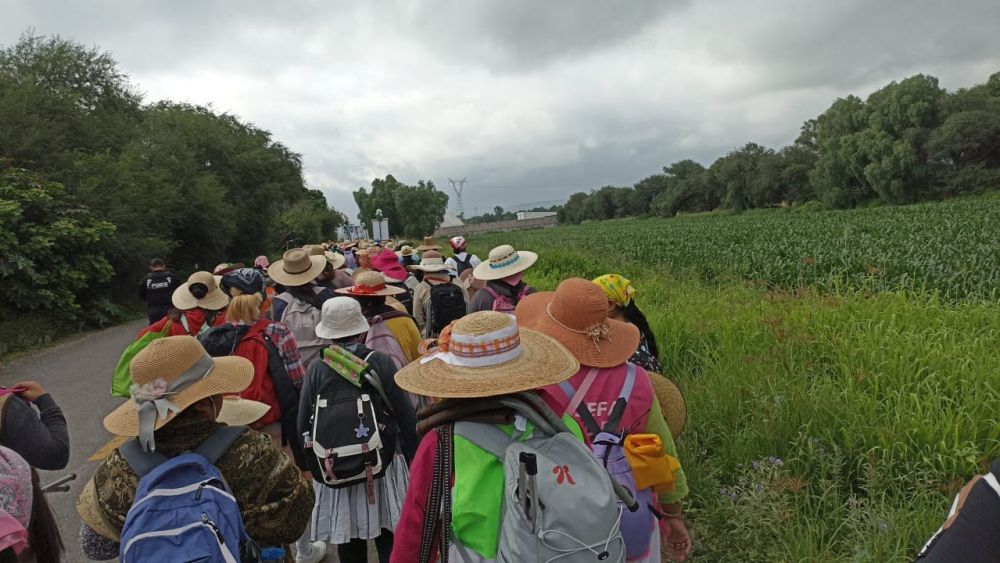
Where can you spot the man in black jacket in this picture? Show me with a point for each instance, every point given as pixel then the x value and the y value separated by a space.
pixel 157 288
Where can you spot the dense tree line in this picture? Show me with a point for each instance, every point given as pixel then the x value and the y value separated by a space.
pixel 94 183
pixel 910 141
pixel 499 214
pixel 412 211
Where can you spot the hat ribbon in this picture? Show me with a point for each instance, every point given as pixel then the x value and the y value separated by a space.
pixel 368 289
pixel 153 398
pixel 505 261
pixel 596 331
pixel 490 349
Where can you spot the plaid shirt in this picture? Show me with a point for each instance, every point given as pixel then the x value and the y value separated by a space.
pixel 283 339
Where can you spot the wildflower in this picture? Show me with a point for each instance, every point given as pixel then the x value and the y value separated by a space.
pixel 775 461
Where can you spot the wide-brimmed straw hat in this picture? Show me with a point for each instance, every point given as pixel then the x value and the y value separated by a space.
pixel 333 258
pixel 369 284
pixel 406 250
pixel 341 317
pixel 204 284
pixel 671 403
pixel 428 244
pixel 431 261
pixel 170 375
pixel 576 314
pixel 296 267
pixel 487 354
pixel 504 261
pixel 237 411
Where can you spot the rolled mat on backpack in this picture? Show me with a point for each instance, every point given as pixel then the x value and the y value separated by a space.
pixel 651 467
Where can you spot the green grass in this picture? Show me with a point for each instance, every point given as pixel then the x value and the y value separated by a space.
pixel 878 392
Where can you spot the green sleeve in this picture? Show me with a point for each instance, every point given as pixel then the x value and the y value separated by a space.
pixel 655 424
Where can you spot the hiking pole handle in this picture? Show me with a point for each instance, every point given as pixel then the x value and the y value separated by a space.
pixel 625 495
pixel 60 485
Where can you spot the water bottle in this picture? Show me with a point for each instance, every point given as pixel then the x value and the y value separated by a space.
pixel 273 554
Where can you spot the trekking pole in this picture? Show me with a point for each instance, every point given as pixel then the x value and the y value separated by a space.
pixel 60 485
pixel 522 481
pixel 531 468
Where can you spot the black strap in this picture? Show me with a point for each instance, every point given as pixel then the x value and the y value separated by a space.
pixel 589 422
pixel 212 448
pixel 437 515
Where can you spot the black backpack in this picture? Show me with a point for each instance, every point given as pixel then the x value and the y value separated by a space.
pixel 352 431
pixel 447 305
pixel 462 265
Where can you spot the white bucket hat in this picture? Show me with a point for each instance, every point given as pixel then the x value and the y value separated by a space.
pixel 341 317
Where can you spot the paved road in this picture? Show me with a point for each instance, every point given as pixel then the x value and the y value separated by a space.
pixel 78 375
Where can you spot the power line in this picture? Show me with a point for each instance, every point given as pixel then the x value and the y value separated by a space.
pixel 458 192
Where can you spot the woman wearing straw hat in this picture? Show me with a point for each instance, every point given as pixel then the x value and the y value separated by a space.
pixel 622 307
pixel 176 399
pixel 485 355
pixel 198 303
pixel 298 304
pixel 608 393
pixel 333 276
pixel 436 274
pixel 347 516
pixel 503 273
pixel 387 263
pixel 371 291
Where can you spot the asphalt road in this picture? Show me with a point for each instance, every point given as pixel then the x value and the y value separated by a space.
pixel 77 373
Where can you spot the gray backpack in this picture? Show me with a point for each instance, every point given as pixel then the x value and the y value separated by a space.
pixel 301 319
pixel 559 503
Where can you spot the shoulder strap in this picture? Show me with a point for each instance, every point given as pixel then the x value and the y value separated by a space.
pixel 218 442
pixel 576 405
pixel 142 462
pixel 492 292
pixel 184 323
pixel 486 436
pixel 615 418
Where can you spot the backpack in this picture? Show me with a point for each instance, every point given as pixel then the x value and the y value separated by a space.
pixel 381 338
pixel 301 318
pixel 447 304
pixel 405 299
pixel 253 343
pixel 183 508
pixel 607 444
pixel 504 304
pixel 558 502
pixel 353 432
pixel 462 265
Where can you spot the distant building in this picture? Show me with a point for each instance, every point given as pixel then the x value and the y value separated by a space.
pixel 522 215
pixel 450 220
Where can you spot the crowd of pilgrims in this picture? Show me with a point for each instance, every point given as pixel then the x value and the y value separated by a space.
pixel 425 401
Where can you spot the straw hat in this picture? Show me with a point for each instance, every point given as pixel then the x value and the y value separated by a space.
pixel 334 258
pixel 406 250
pixel 369 284
pixel 341 317
pixel 296 267
pixel 237 411
pixel 170 375
pixel 504 261
pixel 428 244
pixel 486 355
pixel 671 402
pixel 431 261
pixel 576 314
pixel 203 283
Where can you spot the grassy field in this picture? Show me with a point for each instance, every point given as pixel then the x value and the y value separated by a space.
pixel 840 367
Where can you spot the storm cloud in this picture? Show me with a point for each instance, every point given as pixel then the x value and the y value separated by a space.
pixel 529 100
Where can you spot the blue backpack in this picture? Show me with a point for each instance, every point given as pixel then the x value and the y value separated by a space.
pixel 183 508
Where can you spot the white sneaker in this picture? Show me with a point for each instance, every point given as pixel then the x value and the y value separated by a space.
pixel 317 554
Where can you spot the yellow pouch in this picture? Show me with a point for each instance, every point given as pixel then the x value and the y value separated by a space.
pixel 650 466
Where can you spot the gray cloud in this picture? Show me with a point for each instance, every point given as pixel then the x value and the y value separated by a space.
pixel 529 100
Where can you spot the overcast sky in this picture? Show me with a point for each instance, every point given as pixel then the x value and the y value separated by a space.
pixel 530 100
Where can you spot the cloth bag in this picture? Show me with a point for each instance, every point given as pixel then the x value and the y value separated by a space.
pixel 121 384
pixel 650 466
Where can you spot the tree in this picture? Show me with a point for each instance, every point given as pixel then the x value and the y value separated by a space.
pixel 413 211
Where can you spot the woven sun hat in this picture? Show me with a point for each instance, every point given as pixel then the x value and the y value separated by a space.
pixel 576 314
pixel 333 258
pixel 170 375
pixel 369 284
pixel 237 411
pixel 486 354
pixel 671 402
pixel 200 290
pixel 296 267
pixel 341 317
pixel 504 261
pixel 428 244
pixel 406 250
pixel 431 261
pixel 387 262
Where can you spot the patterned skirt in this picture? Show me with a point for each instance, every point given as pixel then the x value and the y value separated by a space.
pixel 341 515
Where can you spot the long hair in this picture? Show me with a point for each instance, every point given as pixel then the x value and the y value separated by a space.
pixel 635 316
pixel 302 292
pixel 43 532
pixel 244 309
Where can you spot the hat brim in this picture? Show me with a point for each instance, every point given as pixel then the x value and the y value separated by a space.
pixel 334 259
pixel 525 260
pixel 671 402
pixel 387 291
pixel 229 374
pixel 331 332
pixel 425 248
pixel 430 267
pixel 542 362
pixel 277 273
pixel 620 344
pixel 237 411
pixel 213 301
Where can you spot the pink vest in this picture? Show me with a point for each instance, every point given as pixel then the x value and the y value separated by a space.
pixel 602 394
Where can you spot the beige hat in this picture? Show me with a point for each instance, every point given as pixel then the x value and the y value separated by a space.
pixel 204 284
pixel 170 375
pixel 428 244
pixel 369 284
pixel 341 317
pixel 296 267
pixel 334 258
pixel 431 261
pixel 504 261
pixel 406 250
pixel 486 354
pixel 671 403
pixel 576 315
pixel 237 411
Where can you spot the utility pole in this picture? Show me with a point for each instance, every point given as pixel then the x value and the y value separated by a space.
pixel 457 186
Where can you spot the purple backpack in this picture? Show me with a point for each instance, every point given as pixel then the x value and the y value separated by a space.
pixel 381 339
pixel 607 444
pixel 502 303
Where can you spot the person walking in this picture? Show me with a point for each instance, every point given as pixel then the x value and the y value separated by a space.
pixel 198 304
pixel 461 260
pixel 40 437
pixel 157 288
pixel 609 396
pixel 176 400
pixel 387 263
pixel 298 305
pixel 28 529
pixel 389 327
pixel 503 273
pixel 622 307
pixel 354 513
pixel 438 299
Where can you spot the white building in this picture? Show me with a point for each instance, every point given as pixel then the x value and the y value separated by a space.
pixel 522 215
